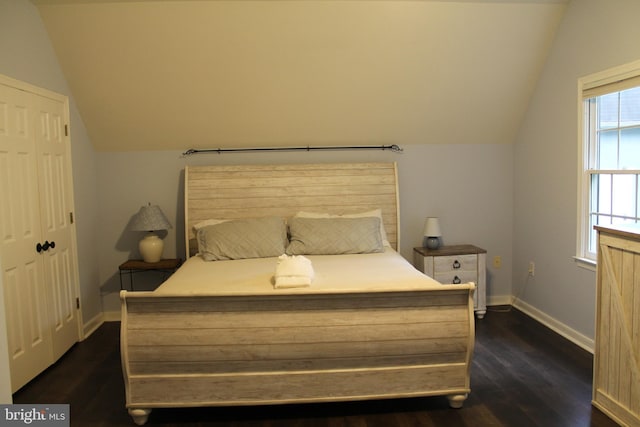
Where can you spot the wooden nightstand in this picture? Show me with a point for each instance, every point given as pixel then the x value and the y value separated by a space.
pixel 457 264
pixel 165 266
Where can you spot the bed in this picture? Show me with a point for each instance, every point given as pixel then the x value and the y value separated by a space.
pixel 370 326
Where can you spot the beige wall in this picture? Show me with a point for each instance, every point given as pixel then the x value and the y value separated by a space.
pixel 468 186
pixel 594 35
pixel 154 75
pixel 500 197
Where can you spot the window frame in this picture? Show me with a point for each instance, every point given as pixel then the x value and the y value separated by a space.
pixel 597 84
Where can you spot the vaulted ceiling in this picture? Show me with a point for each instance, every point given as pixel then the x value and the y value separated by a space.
pixel 164 75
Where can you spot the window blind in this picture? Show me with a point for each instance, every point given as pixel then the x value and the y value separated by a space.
pixel 603 87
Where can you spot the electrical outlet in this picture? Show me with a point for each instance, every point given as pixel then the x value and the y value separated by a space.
pixel 532 268
pixel 497 261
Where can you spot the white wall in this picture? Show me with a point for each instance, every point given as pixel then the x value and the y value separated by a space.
pixel 26 54
pixel 468 186
pixel 594 35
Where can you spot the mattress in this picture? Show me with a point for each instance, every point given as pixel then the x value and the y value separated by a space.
pixel 377 272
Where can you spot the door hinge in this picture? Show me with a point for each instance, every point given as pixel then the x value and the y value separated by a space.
pixel 78 303
pixel 71 217
pixel 66 130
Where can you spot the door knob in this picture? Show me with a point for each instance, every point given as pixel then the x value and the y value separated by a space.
pixel 46 246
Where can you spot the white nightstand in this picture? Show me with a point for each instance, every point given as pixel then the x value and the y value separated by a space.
pixel 457 264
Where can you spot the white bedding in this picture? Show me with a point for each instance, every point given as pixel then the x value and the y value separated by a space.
pixel 333 273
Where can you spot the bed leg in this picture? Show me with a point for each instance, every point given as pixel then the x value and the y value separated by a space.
pixel 456 400
pixel 140 416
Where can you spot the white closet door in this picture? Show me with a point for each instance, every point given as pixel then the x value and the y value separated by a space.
pixel 36 200
pixel 28 329
pixel 55 206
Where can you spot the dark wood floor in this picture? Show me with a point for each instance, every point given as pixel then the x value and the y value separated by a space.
pixel 523 374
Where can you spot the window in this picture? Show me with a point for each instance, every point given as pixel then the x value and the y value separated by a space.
pixel 610 153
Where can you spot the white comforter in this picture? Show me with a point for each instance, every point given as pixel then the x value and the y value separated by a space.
pixel 333 273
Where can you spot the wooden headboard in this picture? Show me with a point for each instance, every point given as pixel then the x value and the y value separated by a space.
pixel 249 191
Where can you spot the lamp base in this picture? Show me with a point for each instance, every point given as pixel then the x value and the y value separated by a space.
pixel 432 242
pixel 151 248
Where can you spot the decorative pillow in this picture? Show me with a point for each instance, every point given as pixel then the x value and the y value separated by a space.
pixel 374 213
pixel 334 236
pixel 243 238
pixel 203 224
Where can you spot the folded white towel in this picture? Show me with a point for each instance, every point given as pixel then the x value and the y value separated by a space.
pixel 293 271
pixel 292 282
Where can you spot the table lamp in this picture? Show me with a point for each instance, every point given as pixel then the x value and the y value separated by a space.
pixel 432 233
pixel 150 219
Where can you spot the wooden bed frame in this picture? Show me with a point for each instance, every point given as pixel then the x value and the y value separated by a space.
pixel 208 350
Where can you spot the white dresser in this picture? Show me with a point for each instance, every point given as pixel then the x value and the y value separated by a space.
pixel 457 264
pixel 616 374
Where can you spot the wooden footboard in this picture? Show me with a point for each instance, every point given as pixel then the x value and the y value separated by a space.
pixel 200 350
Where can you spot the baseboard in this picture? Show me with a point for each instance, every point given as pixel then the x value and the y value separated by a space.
pixel 555 325
pixel 90 327
pixel 499 300
pixel 111 316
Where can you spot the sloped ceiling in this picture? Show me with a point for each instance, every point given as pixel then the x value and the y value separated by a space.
pixel 164 75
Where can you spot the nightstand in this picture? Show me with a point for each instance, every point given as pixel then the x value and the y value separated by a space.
pixel 165 266
pixel 457 264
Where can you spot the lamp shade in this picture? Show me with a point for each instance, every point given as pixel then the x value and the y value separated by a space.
pixel 149 218
pixel 432 227
pixel 432 233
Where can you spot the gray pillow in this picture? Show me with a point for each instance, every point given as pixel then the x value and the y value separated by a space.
pixel 243 238
pixel 334 236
